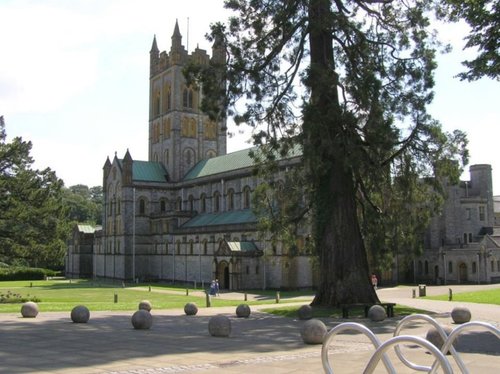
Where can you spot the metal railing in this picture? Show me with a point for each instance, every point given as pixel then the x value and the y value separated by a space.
pixel 440 359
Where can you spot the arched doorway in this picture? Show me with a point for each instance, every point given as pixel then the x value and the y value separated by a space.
pixel 223 274
pixel 437 280
pixel 462 273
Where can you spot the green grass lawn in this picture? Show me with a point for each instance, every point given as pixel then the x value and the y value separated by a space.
pixel 63 295
pixel 481 297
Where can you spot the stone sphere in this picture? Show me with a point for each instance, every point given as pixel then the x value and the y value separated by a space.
pixel 243 311
pixel 313 331
pixel 434 337
pixel 190 309
pixel 219 326
pixel 460 314
pixel 142 320
pixel 29 309
pixel 80 314
pixel 305 312
pixel 145 305
pixel 376 313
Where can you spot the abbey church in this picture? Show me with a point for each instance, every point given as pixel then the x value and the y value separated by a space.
pixel 185 214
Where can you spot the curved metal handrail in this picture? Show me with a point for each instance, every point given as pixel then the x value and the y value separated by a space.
pixel 394 341
pixel 356 327
pixel 381 348
pixel 447 345
pixel 442 334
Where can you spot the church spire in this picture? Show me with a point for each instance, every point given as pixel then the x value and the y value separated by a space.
pixel 154 47
pixel 176 38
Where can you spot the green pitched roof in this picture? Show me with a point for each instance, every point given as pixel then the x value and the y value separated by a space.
pixel 225 218
pixel 231 161
pixel 242 246
pixel 148 171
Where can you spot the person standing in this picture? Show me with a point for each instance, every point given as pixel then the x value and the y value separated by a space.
pixel 374 281
pixel 217 287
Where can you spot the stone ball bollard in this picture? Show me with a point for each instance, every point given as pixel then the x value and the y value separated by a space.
pixel 434 337
pixel 242 311
pixel 29 309
pixel 219 326
pixel 190 309
pixel 142 320
pixel 460 314
pixel 80 314
pixel 305 312
pixel 313 331
pixel 145 305
pixel 376 313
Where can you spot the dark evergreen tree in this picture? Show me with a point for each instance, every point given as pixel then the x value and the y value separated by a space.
pixel 33 228
pixel 348 81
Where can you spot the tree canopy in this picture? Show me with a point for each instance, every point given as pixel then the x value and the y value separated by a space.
pixel 483 17
pixel 32 217
pixel 348 81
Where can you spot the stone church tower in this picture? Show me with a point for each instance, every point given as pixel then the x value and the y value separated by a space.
pixel 180 135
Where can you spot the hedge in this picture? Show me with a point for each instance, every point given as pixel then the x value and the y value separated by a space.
pixel 14 273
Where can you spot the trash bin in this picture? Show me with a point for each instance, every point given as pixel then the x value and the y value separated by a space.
pixel 421 290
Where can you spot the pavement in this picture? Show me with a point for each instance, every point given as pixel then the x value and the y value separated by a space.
pixel 176 343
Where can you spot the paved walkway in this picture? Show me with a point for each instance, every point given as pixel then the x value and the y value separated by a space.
pixel 176 343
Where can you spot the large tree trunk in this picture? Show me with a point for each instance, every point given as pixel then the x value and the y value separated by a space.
pixel 344 273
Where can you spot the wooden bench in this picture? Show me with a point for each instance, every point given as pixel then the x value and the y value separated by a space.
pixel 389 307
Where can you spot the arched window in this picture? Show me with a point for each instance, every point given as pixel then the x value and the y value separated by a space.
pixel 166 128
pixel 163 205
pixel 191 203
pixel 187 98
pixel 167 97
pixel 156 109
pixel 216 207
pixel 178 204
pixel 203 203
pixel 205 247
pixel 178 247
pixel 142 206
pixel 230 199
pixel 191 247
pixel 246 197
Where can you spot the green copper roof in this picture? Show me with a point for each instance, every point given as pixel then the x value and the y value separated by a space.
pixel 221 164
pixel 242 246
pixel 148 171
pixel 226 218
pixel 231 161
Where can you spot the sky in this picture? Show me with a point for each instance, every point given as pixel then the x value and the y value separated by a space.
pixel 74 80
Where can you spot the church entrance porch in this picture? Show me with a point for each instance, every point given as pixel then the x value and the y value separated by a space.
pixel 222 274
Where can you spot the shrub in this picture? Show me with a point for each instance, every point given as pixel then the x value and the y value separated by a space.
pixel 16 298
pixel 14 273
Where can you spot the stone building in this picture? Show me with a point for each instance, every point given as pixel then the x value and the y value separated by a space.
pixel 185 215
pixel 463 243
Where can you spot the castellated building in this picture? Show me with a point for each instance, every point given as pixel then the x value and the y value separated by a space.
pixel 185 215
pixel 463 243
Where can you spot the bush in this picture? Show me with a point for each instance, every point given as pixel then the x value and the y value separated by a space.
pixel 24 273
pixel 16 298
